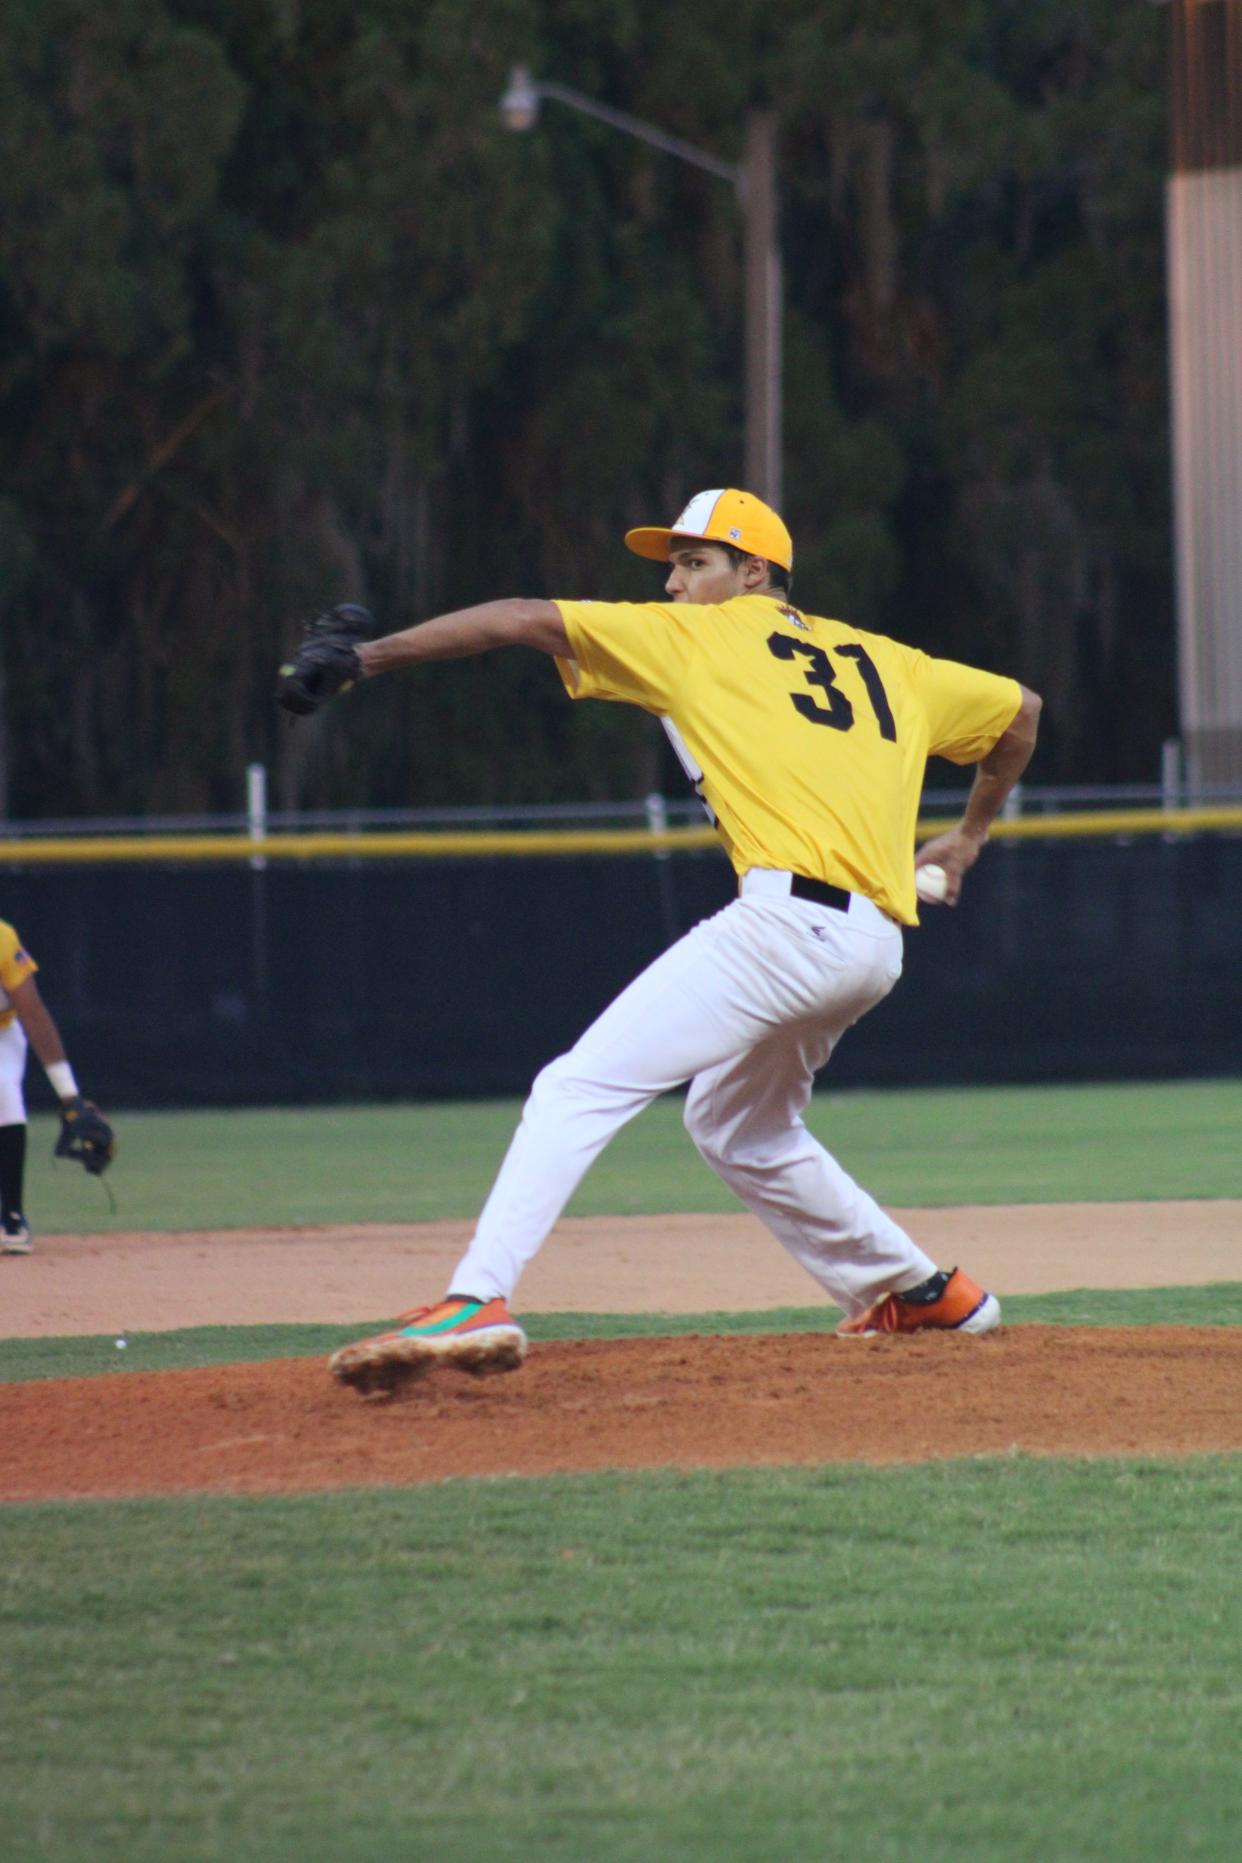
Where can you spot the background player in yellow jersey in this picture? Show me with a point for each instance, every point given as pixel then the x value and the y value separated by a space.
pixel 25 1018
pixel 808 740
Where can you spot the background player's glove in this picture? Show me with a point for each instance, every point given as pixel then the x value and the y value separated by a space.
pixel 327 661
pixel 85 1136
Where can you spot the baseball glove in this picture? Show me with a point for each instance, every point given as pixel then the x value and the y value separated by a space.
pixel 327 661
pixel 85 1136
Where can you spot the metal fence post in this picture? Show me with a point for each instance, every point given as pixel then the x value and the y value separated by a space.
pixel 256 824
pixel 256 810
pixel 1171 773
pixel 657 823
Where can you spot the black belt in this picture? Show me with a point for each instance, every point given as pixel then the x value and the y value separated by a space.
pixel 819 891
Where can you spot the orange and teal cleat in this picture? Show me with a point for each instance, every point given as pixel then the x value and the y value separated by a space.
pixel 466 1334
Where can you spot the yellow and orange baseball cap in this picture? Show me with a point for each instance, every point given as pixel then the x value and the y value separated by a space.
pixel 736 518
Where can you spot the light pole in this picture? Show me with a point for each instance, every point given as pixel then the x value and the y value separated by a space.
pixel 754 181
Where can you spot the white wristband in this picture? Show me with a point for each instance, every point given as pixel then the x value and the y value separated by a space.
pixel 61 1076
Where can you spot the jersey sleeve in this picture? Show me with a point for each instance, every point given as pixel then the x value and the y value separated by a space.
pixel 632 652
pixel 16 964
pixel 967 709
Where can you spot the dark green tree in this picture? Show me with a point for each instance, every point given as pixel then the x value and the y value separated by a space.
pixel 288 316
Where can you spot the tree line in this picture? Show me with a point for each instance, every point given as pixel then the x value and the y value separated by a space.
pixel 288 316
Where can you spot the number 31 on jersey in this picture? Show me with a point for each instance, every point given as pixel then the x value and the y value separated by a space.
pixel 838 713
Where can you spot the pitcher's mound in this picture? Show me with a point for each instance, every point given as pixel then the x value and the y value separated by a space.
pixel 637 1403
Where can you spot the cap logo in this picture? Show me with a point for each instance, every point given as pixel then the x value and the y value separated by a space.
pixel 735 533
pixel 697 515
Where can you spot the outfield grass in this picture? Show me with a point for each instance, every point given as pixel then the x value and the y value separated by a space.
pixel 993 1659
pixel 220 1170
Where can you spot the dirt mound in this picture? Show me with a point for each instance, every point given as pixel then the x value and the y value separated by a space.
pixel 688 1402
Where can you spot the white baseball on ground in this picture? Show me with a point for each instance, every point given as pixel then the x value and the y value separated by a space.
pixel 931 883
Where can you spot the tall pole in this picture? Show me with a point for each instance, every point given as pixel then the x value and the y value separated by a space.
pixel 764 292
pixel 1204 251
pixel 755 182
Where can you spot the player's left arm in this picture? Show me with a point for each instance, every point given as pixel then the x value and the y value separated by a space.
pixel 85 1135
pixel 959 847
pixel 513 622
pixel 337 650
pixel 37 1020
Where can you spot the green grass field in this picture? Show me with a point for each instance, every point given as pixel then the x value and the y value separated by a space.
pixel 993 1659
pixel 222 1170
pixel 998 1658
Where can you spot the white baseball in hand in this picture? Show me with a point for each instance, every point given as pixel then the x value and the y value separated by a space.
pixel 931 883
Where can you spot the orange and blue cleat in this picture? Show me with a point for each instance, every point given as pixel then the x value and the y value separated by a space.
pixel 468 1335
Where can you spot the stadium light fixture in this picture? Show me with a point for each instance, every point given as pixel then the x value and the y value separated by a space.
pixel 754 182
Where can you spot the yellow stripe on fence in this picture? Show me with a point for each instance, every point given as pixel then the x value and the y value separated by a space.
pixel 524 842
pixel 372 845
pixel 1117 823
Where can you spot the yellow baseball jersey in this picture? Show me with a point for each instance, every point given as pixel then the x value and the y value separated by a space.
pixel 812 736
pixel 15 966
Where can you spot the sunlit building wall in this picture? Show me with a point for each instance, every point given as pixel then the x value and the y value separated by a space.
pixel 1204 234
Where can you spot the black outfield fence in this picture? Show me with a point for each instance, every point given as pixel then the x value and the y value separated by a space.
pixel 329 980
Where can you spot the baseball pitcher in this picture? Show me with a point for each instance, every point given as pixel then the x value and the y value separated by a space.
pixel 808 741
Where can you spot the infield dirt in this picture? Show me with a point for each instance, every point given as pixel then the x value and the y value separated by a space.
pixel 635 1403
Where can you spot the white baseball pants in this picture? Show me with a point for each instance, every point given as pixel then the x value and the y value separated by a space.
pixel 746 1007
pixel 12 1073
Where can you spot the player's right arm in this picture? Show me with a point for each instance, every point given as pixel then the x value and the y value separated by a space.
pixel 996 772
pixel 513 622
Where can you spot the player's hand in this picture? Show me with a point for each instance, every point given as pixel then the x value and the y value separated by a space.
pixel 956 851
pixel 85 1136
pixel 327 661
